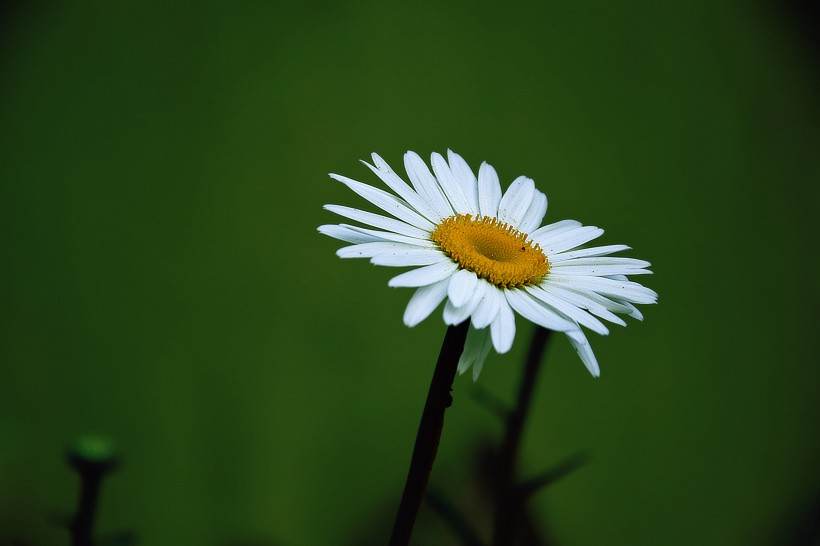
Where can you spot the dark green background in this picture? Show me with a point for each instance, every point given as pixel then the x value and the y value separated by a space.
pixel 162 173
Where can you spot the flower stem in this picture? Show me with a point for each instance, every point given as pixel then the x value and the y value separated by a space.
pixel 429 434
pixel 508 502
pixel 92 457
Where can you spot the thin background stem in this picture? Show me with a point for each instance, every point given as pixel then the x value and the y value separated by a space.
pixel 92 458
pixel 83 522
pixel 429 434
pixel 509 503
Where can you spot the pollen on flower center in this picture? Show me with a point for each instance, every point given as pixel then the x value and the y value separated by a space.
pixel 493 250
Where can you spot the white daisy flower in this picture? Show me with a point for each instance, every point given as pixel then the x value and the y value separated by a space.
pixel 485 254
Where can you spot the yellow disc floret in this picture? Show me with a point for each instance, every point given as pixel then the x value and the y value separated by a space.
pixel 493 250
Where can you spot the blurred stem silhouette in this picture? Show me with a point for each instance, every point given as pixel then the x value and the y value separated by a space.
pixel 429 433
pixel 92 457
pixel 508 500
pixel 454 519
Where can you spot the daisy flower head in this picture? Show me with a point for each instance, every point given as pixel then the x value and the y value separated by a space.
pixel 486 253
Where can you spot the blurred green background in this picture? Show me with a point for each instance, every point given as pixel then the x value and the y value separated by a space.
pixel 162 173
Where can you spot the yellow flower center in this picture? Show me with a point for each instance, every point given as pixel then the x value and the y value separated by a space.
pixel 493 250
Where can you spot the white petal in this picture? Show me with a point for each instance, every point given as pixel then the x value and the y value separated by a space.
pixel 451 186
pixel 395 183
pixel 424 301
pixel 607 303
pixel 609 260
pixel 568 309
pixel 531 309
pixel 423 276
pixel 516 201
pixel 462 286
pixel 594 303
pixel 409 257
pixel 482 358
pixel 489 191
pixel 389 236
pixel 426 184
pixel 464 175
pixel 542 234
pixel 582 346
pixel 570 239
pixel 535 213
pixel 625 290
pixel 475 351
pixel 594 251
pixel 368 250
pixel 346 234
pixel 379 221
pixel 633 311
pixel 488 307
pixel 502 328
pixel 456 315
pixel 387 202
pixel 478 365
pixel 602 266
pixel 600 271
pixel 472 347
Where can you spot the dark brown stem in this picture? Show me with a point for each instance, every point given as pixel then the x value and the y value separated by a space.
pixel 509 504
pixel 429 434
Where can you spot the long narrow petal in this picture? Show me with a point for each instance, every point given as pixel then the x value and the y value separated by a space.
pixel 633 311
pixel 535 213
pixel 395 183
pixel 451 186
pixel 472 348
pixel 488 307
pixel 601 266
pixel 462 286
pixel 583 253
pixel 599 271
pixel 423 276
pixel 476 349
pixel 592 302
pixel 607 302
pixel 478 365
pixel 368 250
pixel 424 301
pixel 625 290
pixel 516 201
pixel 563 306
pixel 531 309
pixel 632 263
pixel 542 234
pixel 390 236
pixel 465 177
pixel 426 184
pixel 582 346
pixel 407 258
pixel 346 234
pixel 502 328
pixel 570 239
pixel 489 191
pixel 387 202
pixel 379 221
pixel 456 315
